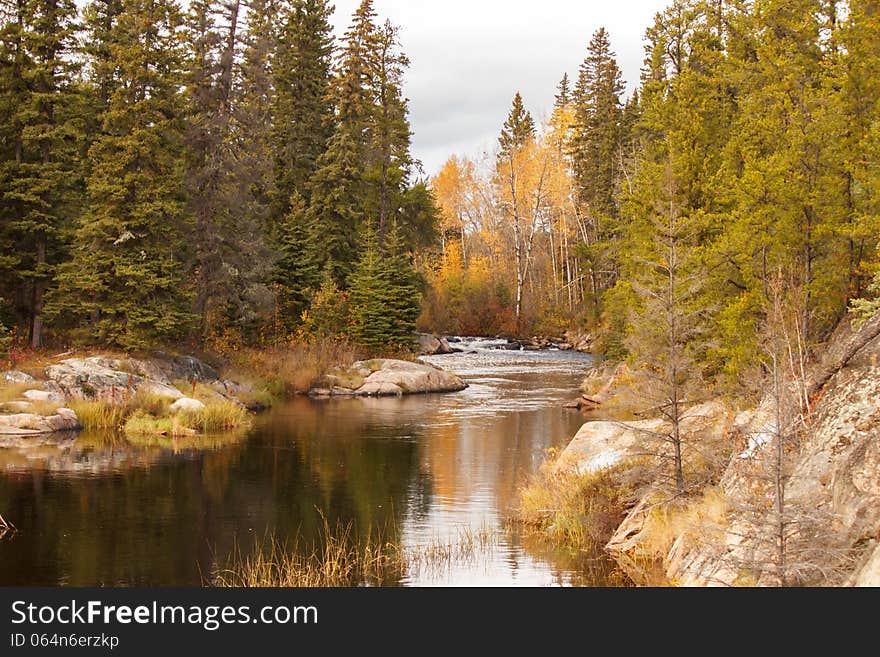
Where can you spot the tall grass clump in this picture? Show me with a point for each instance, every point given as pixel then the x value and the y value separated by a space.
pixel 341 559
pixel 218 415
pixel 294 368
pixel 574 510
pixel 13 391
pixel 96 415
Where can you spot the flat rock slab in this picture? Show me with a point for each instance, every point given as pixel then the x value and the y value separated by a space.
pixel 30 424
pixel 385 377
pixel 110 379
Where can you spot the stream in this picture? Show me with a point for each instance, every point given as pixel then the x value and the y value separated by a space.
pixel 98 510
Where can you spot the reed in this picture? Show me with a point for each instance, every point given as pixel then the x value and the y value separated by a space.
pixel 343 560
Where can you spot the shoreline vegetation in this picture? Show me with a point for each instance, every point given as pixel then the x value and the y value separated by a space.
pixel 340 558
pixel 161 394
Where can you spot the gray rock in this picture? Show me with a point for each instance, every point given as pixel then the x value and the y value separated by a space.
pixel 431 345
pixel 42 396
pixel 27 424
pixel 187 404
pixel 108 379
pixel 15 376
pixel 387 377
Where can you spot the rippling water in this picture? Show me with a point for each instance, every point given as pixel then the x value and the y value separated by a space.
pixel 97 510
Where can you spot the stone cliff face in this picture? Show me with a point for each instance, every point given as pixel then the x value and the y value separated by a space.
pixel 835 474
pixel 833 479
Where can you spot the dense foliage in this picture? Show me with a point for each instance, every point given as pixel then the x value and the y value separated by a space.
pixel 175 172
pixel 746 160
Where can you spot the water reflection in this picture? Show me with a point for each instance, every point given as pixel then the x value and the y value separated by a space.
pixel 99 510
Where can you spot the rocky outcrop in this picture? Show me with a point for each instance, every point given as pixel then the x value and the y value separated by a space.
pixel 98 377
pixel 603 444
pixel 14 376
pixel 387 377
pixel 30 424
pixel 832 494
pixel 580 340
pixel 431 345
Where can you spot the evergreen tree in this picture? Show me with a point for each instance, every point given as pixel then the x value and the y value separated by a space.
pixel 225 178
pixel 297 269
pixel 518 129
pixel 338 189
pixel 595 147
pixel 39 170
pixel 302 109
pixel 372 322
pixel 402 289
pixel 128 271
pixel 390 156
pixel 563 93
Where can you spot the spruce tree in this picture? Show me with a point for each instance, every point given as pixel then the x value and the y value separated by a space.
pixel 41 107
pixel 595 146
pixel 127 278
pixel 301 106
pixel 338 189
pixel 402 286
pixel 297 271
pixel 372 322
pixel 390 156
pixel 225 175
pixel 519 128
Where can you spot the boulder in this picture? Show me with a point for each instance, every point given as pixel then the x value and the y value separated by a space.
pixel 27 424
pixel 579 340
pixel 187 404
pixel 108 379
pixel 15 376
pixel 388 377
pixel 431 345
pixel 42 396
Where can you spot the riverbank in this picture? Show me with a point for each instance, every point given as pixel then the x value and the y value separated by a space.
pixel 181 395
pixel 609 485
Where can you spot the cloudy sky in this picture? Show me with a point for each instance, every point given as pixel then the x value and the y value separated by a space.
pixel 470 56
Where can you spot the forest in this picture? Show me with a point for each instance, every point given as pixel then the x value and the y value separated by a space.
pixel 232 172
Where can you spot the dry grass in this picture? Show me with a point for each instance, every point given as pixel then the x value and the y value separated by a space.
pixel 691 519
pixel 293 368
pixel 98 415
pixel 573 509
pixel 14 391
pixel 218 416
pixel 342 560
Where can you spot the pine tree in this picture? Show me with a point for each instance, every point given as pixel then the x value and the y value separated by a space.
pixel 595 148
pixel 301 107
pixel 40 173
pixel 338 189
pixel 128 272
pixel 518 129
pixel 372 320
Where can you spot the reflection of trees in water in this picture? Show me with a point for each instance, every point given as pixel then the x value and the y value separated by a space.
pixel 112 513
pixel 99 510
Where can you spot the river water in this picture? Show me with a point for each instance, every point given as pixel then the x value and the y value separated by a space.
pixel 99 510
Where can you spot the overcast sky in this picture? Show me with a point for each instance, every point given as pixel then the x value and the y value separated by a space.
pixel 468 58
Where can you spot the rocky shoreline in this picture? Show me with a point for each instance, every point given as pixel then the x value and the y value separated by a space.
pixel 35 406
pixel 717 533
